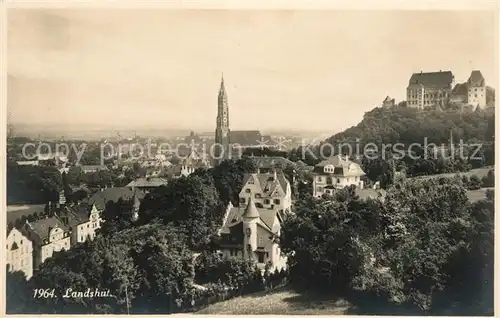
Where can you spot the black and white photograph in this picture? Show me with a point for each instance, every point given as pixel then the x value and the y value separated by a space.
pixel 225 161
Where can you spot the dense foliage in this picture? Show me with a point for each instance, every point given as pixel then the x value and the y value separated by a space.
pixel 143 265
pixel 422 246
pixel 197 203
pixel 409 125
pixel 32 184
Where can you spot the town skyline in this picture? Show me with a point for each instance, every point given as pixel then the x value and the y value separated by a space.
pixel 92 67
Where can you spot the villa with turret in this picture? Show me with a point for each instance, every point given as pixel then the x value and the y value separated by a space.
pixel 252 230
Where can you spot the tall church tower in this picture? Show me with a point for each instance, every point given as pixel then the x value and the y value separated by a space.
pixel 221 149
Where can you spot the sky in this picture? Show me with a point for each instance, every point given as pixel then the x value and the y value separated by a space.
pixel 304 70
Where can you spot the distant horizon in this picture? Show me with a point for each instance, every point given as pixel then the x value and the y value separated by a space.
pixel 284 70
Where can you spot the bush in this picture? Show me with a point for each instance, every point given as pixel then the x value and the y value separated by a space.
pixel 488 181
pixel 474 183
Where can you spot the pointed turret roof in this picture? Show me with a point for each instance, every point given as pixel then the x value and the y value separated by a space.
pixel 137 203
pixel 251 210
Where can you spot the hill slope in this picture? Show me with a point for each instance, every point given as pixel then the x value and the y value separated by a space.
pixel 408 125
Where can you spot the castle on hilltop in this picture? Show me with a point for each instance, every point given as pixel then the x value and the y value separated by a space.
pixel 438 89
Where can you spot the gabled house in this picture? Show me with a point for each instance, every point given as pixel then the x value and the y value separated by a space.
pixel 336 172
pixel 48 235
pixel 269 191
pixel 83 221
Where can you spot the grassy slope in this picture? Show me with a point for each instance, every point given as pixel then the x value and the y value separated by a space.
pixel 480 172
pixel 282 301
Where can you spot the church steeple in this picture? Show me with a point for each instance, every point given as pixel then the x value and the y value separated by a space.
pixel 222 126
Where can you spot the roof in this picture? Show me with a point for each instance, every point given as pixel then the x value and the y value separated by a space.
pixel 101 198
pixel 271 162
pixel 147 182
pixel 42 226
pixel 388 99
pixel 235 217
pixel 476 78
pixel 268 182
pixel 342 166
pixel 460 89
pixel 79 214
pixel 433 79
pixel 245 137
pixel 251 210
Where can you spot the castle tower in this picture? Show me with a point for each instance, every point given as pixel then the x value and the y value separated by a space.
pixel 222 132
pixel 250 219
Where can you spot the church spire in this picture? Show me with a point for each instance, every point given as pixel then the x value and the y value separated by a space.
pixel 222 132
pixel 222 90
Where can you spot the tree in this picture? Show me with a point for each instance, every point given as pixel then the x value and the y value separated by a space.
pixel 18 295
pixel 190 203
pixel 117 216
pixel 488 180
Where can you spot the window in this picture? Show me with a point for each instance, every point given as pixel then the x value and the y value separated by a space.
pixel 257 196
pixel 260 240
pixel 242 200
pixel 248 190
pixel 21 242
pixel 261 257
pixel 266 201
pixel 329 180
pixel 88 226
pixel 319 179
pixel 259 205
pixel 276 201
pixel 81 238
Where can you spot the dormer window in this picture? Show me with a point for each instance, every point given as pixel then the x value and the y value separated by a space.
pixel 248 190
